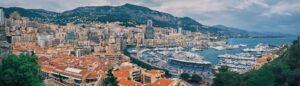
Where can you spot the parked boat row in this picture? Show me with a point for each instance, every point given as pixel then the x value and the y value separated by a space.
pixel 241 56
pixel 228 47
pixel 258 48
pixel 169 49
pixel 245 61
pixel 196 49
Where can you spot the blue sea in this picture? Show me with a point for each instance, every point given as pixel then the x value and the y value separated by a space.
pixel 212 54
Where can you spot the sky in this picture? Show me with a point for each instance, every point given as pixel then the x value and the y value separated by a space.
pixel 252 15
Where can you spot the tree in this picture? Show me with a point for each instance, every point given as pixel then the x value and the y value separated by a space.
pixel 227 78
pixel 22 70
pixel 223 69
pixel 195 78
pixel 185 76
pixel 110 80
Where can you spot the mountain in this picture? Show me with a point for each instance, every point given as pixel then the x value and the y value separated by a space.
pixel 236 32
pixel 127 14
pixel 270 34
pixel 230 31
pixel 33 14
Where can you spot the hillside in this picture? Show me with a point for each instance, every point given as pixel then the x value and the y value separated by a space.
pixel 230 31
pixel 128 14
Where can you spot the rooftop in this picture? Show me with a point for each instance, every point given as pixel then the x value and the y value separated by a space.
pixel 126 82
pixel 123 72
pixel 153 72
pixel 162 82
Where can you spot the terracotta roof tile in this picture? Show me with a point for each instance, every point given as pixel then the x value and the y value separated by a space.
pixel 162 82
pixel 264 58
pixel 153 72
pixel 126 82
pixel 123 72
pixel 47 68
pixel 92 75
pixel 43 59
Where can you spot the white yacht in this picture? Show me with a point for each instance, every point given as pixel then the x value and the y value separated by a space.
pixel 195 49
pixel 188 58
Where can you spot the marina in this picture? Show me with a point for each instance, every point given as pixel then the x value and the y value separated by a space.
pixel 175 60
pixel 203 60
pixel 248 59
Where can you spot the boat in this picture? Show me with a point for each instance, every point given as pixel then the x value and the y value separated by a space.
pixel 258 48
pixel 232 46
pixel 188 59
pixel 242 45
pixel 220 48
pixel 241 56
pixel 195 49
pixel 169 49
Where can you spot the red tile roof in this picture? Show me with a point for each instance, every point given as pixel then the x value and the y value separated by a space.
pixel 162 82
pixel 126 82
pixel 153 72
pixel 123 72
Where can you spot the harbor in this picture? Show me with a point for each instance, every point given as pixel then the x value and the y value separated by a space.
pixel 175 60
pixel 204 61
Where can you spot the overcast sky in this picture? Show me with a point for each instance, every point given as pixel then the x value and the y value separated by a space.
pixel 252 15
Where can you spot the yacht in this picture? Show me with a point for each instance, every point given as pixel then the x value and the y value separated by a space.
pixel 188 58
pixel 195 49
pixel 258 48
pixel 242 45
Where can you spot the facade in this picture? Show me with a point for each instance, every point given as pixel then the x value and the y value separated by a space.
pixel 43 39
pixel 2 17
pixel 71 36
pixel 2 26
pixel 150 76
pixel 72 76
pixel 149 31
pixel 4 46
pixel 179 30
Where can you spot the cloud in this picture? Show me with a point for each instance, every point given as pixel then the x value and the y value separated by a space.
pixel 245 4
pixel 287 7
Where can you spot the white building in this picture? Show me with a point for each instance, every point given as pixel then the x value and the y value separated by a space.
pixel 43 39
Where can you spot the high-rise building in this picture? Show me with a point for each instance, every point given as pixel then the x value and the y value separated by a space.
pixel 2 28
pixel 149 32
pixel 179 30
pixel 2 18
pixel 71 35
pixel 149 23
